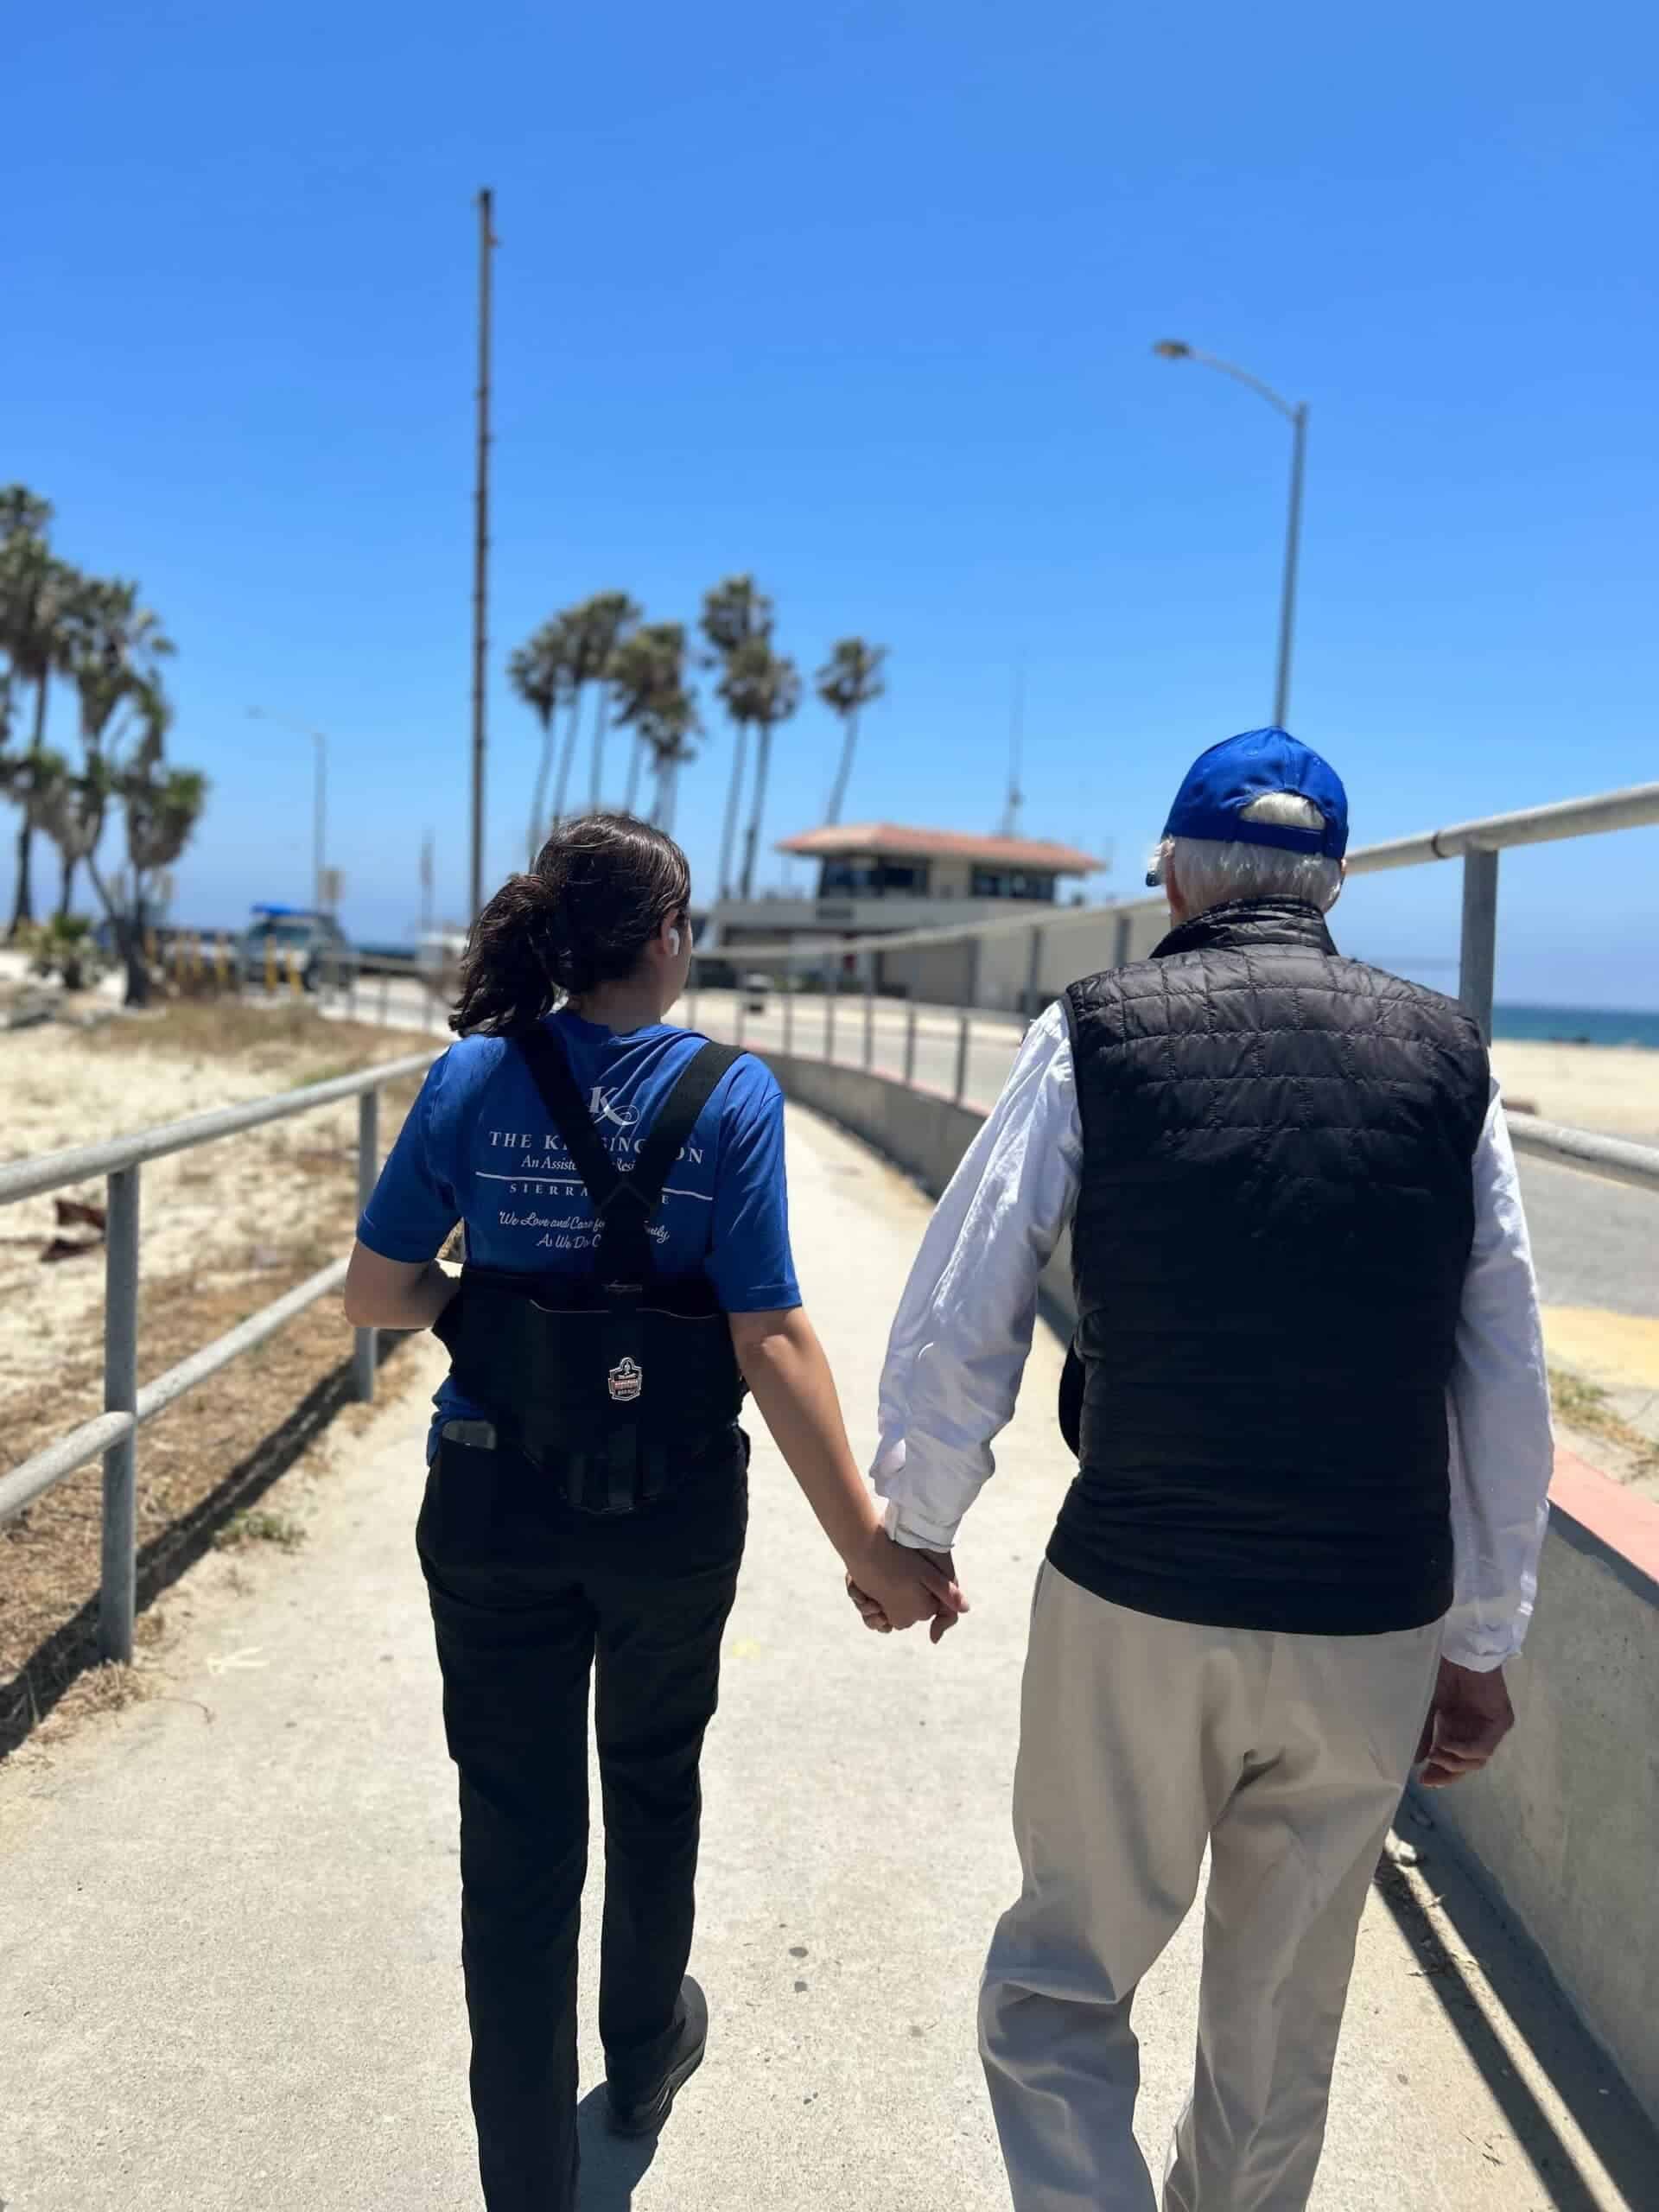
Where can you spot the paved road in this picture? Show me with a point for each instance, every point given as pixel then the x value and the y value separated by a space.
pixel 229 1949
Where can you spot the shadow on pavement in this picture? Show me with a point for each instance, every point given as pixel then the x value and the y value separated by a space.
pixel 41 1681
pixel 1465 1927
pixel 611 2164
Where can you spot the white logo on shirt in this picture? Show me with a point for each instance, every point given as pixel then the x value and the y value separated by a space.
pixel 603 1108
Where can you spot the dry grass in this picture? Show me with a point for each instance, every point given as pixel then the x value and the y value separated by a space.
pixel 235 1225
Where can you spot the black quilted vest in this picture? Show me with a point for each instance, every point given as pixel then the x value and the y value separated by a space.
pixel 1272 1232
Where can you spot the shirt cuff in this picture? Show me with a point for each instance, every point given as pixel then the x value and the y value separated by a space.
pixel 1480 1648
pixel 907 1527
pixel 893 1473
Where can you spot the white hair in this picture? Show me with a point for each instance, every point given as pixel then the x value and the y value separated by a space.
pixel 1213 872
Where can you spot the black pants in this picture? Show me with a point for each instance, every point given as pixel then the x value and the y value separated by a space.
pixel 526 1597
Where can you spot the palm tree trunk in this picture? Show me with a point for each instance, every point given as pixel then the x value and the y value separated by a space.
pixel 537 805
pixel 734 800
pixel 838 796
pixel 762 764
pixel 129 936
pixel 566 757
pixel 601 720
pixel 636 762
pixel 24 907
pixel 67 892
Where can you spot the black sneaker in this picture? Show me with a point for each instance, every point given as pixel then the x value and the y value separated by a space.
pixel 645 2115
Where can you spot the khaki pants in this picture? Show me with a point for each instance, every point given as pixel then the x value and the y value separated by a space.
pixel 1141 1741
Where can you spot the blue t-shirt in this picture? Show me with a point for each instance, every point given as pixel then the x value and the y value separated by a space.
pixel 476 1149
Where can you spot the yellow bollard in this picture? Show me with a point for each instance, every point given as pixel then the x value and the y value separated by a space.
pixel 296 987
pixel 270 967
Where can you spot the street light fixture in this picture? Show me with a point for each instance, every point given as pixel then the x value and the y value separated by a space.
pixel 319 827
pixel 1295 413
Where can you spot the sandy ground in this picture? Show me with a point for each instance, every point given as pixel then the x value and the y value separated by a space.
pixel 231 1208
pixel 1611 1088
pixel 226 1229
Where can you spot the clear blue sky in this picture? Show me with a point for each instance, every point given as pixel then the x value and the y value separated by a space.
pixel 861 299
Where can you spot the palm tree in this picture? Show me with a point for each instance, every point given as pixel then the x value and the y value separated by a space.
pixel 162 807
pixel 538 672
pixel 607 619
pixel 763 689
pixel 653 701
pixel 735 613
pixel 669 726
pixel 111 651
pixel 36 592
pixel 846 682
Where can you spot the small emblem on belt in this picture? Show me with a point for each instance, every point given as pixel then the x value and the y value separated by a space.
pixel 627 1380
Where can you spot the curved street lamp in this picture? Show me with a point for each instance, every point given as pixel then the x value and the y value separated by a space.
pixel 1295 413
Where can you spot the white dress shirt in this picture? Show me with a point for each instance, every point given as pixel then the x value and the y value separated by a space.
pixel 963 1330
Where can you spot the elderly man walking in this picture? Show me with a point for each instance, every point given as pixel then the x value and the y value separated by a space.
pixel 1313 1447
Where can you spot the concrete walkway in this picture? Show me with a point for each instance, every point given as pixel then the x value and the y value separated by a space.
pixel 228 1939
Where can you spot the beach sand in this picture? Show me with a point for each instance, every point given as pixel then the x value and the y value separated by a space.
pixel 1611 1088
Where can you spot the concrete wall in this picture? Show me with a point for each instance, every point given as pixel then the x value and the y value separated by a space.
pixel 994 972
pixel 1564 1824
pixel 1564 1827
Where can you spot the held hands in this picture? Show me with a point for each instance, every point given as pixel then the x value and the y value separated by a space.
pixel 894 1586
pixel 1469 1717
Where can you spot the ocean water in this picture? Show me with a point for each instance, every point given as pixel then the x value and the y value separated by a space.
pixel 1576 1025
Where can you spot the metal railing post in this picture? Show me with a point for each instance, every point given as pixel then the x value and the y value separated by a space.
pixel 366 1342
pixel 832 992
pixel 118 1599
pixel 1034 973
pixel 962 1056
pixel 788 1006
pixel 1121 942
pixel 870 1020
pixel 742 1012
pixel 1477 965
pixel 909 1044
pixel 691 995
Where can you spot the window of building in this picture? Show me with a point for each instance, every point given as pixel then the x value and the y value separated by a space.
pixel 872 879
pixel 1013 883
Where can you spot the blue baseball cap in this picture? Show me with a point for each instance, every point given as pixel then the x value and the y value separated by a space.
pixel 1223 781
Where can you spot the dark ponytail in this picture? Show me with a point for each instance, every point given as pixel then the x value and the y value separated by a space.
pixel 601 888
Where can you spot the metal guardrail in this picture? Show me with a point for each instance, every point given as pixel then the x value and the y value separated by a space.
pixel 1476 843
pixel 1615 1159
pixel 113 1433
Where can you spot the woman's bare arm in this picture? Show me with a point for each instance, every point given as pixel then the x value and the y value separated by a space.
pixel 394 1294
pixel 785 1366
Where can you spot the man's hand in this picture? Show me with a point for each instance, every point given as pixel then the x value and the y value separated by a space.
pixel 1469 1717
pixel 945 1601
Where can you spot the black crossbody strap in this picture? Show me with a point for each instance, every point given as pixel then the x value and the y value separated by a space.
pixel 568 1109
pixel 675 1122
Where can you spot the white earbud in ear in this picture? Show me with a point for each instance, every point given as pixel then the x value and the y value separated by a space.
pixel 673 940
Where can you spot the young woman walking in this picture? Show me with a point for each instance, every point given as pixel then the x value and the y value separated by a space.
pixel 627 1274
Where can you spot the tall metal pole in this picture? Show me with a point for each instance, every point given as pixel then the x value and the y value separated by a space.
pixel 481 539
pixel 1293 547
